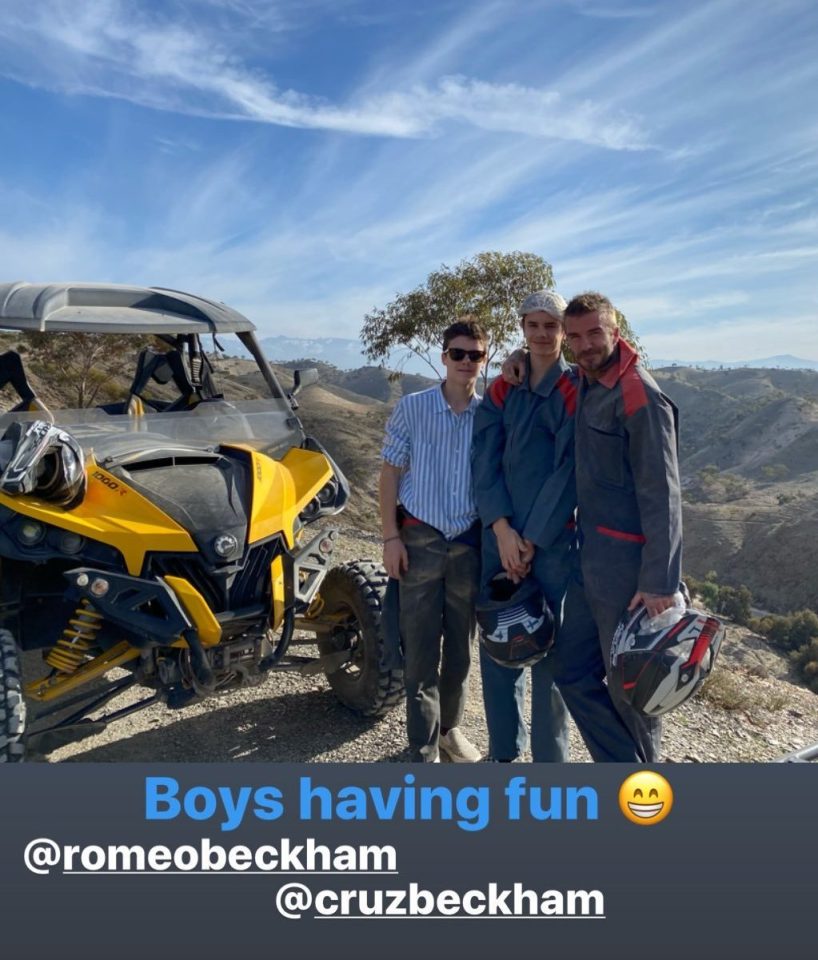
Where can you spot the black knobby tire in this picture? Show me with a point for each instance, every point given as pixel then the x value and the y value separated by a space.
pixel 357 589
pixel 12 705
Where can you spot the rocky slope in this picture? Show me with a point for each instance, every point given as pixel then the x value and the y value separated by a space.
pixel 750 711
pixel 749 444
pixel 750 464
pixel 754 432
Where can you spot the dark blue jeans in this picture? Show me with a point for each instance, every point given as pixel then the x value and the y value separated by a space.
pixel 569 679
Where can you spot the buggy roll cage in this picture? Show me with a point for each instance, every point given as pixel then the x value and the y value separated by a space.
pixel 804 755
pixel 177 318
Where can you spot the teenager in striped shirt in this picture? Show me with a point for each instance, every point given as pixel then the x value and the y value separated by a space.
pixel 431 543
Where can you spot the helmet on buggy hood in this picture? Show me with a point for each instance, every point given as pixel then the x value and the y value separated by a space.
pixel 40 459
pixel 658 670
pixel 515 621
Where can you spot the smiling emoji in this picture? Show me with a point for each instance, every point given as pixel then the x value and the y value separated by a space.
pixel 645 798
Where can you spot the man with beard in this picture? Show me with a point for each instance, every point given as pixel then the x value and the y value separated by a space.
pixel 523 472
pixel 628 487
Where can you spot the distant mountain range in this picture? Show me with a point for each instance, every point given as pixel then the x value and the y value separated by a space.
pixel 347 354
pixel 783 362
pixel 748 453
pixel 341 353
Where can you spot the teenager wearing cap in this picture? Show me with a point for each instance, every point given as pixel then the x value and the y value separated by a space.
pixel 523 470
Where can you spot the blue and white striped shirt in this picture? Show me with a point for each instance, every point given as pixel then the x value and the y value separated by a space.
pixel 432 444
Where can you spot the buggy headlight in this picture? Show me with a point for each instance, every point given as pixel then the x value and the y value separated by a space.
pixel 311 511
pixel 226 545
pixel 327 493
pixel 30 533
pixel 71 543
pixel 322 503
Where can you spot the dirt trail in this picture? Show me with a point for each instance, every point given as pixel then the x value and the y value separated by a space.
pixel 297 719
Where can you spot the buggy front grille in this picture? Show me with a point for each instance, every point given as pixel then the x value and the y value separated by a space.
pixel 231 586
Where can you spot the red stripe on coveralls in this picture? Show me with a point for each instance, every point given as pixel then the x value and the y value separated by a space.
pixel 498 392
pixel 568 389
pixel 634 395
pixel 621 535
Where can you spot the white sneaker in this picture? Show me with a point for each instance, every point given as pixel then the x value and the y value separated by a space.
pixel 457 748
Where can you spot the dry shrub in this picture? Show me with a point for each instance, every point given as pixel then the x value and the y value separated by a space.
pixel 736 691
pixel 725 690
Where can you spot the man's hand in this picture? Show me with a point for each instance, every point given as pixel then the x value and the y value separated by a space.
pixel 513 368
pixel 395 558
pixel 654 603
pixel 514 554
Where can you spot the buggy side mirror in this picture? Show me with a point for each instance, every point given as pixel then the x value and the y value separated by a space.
pixel 303 378
pixel 11 371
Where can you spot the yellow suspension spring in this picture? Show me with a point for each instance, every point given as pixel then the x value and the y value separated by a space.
pixel 315 608
pixel 73 648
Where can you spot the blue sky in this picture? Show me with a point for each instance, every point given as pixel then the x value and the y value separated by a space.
pixel 305 161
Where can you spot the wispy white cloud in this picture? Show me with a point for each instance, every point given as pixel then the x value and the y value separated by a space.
pixel 614 9
pixel 102 49
pixel 176 145
pixel 720 301
pixel 453 40
pixel 641 60
pixel 508 108
pixel 691 62
pixel 471 143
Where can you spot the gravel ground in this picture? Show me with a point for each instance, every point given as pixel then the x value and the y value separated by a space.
pixel 752 712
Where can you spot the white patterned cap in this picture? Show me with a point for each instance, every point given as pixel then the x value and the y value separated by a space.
pixel 548 301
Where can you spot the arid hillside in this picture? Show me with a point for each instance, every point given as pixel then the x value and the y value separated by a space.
pixel 759 424
pixel 749 443
pixel 750 472
pixel 749 446
pixel 752 709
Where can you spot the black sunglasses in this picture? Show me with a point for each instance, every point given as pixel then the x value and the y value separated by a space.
pixel 458 353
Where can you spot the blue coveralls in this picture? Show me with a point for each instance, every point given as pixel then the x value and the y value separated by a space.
pixel 523 469
pixel 630 506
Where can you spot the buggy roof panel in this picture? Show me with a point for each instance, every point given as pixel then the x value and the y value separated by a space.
pixel 113 308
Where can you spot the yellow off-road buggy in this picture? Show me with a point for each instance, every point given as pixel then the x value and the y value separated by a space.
pixel 167 534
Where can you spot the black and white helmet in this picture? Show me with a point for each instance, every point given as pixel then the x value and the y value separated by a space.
pixel 658 670
pixel 516 624
pixel 44 461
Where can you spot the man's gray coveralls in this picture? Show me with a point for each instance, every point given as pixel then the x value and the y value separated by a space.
pixel 523 469
pixel 630 507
